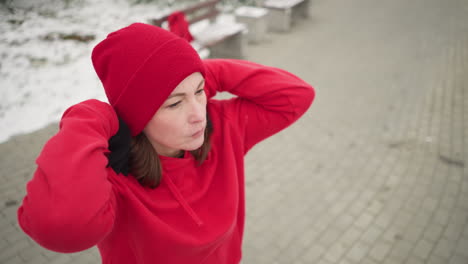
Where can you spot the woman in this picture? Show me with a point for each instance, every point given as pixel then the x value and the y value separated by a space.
pixel 157 175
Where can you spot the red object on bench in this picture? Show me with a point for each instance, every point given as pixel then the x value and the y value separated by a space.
pixel 178 25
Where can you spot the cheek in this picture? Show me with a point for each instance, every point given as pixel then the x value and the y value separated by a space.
pixel 165 127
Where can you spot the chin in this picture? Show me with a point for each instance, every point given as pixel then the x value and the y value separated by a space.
pixel 195 145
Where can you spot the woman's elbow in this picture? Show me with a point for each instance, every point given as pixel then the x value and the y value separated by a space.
pixel 304 100
pixel 62 234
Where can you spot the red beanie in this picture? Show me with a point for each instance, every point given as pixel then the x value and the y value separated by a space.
pixel 139 66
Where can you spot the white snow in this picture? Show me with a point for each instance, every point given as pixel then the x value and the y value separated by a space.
pixel 205 32
pixel 42 75
pixel 250 11
pixel 282 3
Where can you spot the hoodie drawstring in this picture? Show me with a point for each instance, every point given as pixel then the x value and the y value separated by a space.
pixel 182 201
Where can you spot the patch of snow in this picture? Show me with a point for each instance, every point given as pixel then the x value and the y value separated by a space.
pixel 250 11
pixel 224 25
pixel 281 3
pixel 42 72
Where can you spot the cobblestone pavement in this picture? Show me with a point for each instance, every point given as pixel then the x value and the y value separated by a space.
pixel 375 172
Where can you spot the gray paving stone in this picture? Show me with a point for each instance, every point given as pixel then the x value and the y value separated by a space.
pixel 344 261
pixel 414 260
pixel 351 236
pixel 421 218
pixel 61 258
pixel 375 207
pixel 436 260
pixel 368 261
pixel 452 232
pixel 323 261
pixel 400 251
pixel 444 248
pixel 329 237
pixel 462 247
pixel 423 249
pixel 313 253
pixel 356 210
pixel 433 232
pixel 380 251
pixel 413 234
pixel 456 259
pixel 15 260
pixel 6 255
pixel 358 251
pixel 390 261
pixel 383 221
pixel 364 220
pixel 442 217
pixel 371 235
pixel 430 204
pixel 32 255
pixel 290 254
pixel 344 222
pixel 308 237
pixel 393 233
pixel 336 252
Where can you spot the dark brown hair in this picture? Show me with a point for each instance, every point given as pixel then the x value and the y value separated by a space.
pixel 144 162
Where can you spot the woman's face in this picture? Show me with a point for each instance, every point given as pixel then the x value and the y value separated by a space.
pixel 179 124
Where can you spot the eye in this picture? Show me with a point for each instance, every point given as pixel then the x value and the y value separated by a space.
pixel 174 104
pixel 200 91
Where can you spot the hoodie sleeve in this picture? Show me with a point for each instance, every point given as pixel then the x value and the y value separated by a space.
pixel 268 99
pixel 70 205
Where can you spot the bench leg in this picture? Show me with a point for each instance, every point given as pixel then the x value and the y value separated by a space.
pixel 257 27
pixel 279 19
pixel 233 47
pixel 300 11
pixel 304 8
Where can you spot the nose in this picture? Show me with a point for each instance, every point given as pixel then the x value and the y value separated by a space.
pixel 197 112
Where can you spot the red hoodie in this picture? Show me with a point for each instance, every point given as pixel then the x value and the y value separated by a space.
pixel 196 214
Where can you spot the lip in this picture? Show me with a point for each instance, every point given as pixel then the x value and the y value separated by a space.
pixel 198 133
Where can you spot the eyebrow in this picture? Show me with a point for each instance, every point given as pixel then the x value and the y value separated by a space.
pixel 183 94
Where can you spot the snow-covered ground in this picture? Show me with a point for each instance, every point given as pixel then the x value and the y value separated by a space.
pixel 42 70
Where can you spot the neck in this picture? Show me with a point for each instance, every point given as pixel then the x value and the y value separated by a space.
pixel 172 154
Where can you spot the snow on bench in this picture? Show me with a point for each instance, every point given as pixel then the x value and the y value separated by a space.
pixel 282 13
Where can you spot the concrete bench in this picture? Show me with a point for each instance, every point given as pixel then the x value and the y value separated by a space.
pixel 222 39
pixel 282 13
